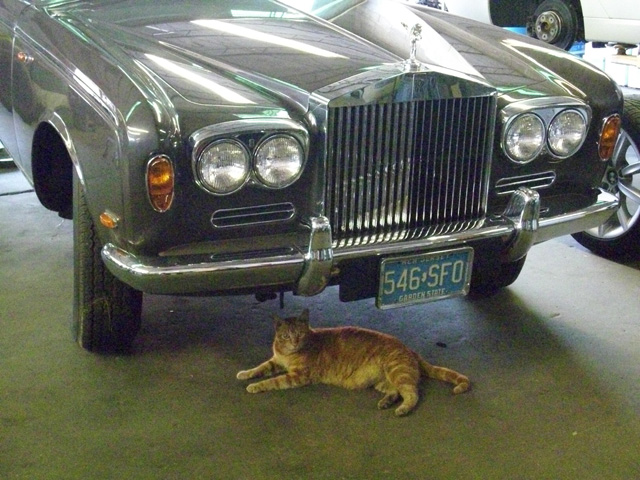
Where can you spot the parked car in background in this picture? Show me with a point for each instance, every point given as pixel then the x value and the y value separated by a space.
pixel 558 22
pixel 247 146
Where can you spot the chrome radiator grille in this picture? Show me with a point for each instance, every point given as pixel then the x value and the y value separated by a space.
pixel 400 171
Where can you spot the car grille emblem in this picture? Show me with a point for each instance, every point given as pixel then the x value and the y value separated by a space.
pixel 415 32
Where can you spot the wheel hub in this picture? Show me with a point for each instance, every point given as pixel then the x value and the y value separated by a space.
pixel 619 179
pixel 548 26
pixel 610 180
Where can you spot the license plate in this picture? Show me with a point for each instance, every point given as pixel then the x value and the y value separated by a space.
pixel 425 277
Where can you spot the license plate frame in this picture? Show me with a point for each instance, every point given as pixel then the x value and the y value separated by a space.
pixel 424 277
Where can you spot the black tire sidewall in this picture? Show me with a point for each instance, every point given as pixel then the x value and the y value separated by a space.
pixel 489 279
pixel 106 312
pixel 569 18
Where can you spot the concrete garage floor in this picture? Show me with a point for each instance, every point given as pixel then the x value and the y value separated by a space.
pixel 554 361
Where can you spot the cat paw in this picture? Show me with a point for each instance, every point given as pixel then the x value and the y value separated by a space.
pixel 401 411
pixel 243 375
pixel 253 388
pixel 387 401
pixel 461 387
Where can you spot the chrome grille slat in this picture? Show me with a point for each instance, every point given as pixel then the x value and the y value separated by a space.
pixel 404 170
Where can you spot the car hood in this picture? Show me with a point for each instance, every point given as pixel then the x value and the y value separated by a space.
pixel 245 52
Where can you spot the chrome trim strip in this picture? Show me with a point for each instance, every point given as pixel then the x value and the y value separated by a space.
pixel 542 103
pixel 202 137
pixel 580 220
pixel 259 214
pixel 536 181
pixel 163 275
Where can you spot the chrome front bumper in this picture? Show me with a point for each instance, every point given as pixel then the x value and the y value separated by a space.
pixel 308 272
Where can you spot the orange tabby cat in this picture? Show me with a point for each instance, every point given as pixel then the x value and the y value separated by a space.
pixel 348 357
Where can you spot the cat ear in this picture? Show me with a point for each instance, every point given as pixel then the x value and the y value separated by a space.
pixel 304 316
pixel 277 321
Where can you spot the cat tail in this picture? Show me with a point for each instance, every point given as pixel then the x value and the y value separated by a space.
pixel 460 381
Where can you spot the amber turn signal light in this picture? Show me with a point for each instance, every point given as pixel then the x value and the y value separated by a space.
pixel 608 137
pixel 160 183
pixel 109 219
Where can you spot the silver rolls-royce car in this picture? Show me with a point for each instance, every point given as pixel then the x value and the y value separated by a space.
pixel 256 146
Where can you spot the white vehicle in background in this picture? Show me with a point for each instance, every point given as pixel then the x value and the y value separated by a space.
pixel 558 22
pixel 5 158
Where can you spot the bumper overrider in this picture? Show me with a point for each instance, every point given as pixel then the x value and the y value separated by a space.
pixel 309 271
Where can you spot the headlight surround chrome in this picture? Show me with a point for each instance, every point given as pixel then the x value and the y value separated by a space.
pixel 274 154
pixel 223 166
pixel 278 161
pixel 567 133
pixel 524 137
pixel 565 122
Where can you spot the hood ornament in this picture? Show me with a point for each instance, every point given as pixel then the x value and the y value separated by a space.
pixel 415 31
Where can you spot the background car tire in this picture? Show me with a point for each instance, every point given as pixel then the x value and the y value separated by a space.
pixel 486 281
pixel 556 23
pixel 106 312
pixel 619 236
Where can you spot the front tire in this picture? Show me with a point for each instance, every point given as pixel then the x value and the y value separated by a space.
pixel 106 312
pixel 487 280
pixel 619 237
pixel 556 23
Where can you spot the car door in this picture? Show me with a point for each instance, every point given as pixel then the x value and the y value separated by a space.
pixel 622 9
pixel 609 21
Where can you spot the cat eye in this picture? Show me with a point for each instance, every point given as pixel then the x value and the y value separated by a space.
pixel 285 336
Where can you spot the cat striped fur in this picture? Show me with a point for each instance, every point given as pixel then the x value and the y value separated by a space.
pixel 348 357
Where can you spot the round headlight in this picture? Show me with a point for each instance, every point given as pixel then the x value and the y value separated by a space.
pixel 223 166
pixel 566 133
pixel 278 161
pixel 524 138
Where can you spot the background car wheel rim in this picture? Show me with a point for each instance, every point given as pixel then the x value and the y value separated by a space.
pixel 622 178
pixel 548 26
